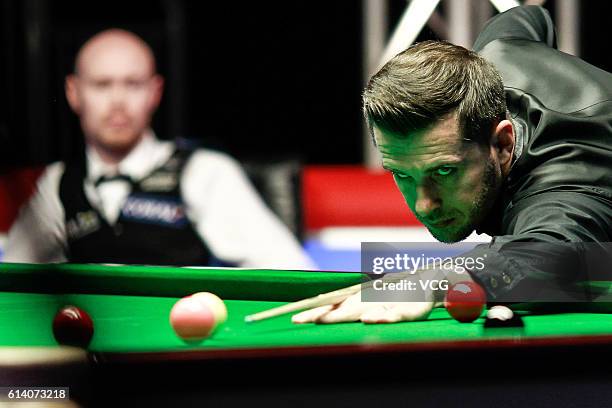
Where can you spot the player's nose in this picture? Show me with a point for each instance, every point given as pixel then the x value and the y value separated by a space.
pixel 426 202
pixel 118 94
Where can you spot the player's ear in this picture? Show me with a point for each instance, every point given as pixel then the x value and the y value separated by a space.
pixel 157 85
pixel 70 87
pixel 503 143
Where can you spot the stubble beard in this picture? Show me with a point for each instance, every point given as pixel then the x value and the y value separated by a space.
pixel 480 208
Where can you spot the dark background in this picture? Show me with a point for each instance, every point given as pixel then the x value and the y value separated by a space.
pixel 261 80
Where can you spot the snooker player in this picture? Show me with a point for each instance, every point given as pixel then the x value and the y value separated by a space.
pixel 513 139
pixel 136 199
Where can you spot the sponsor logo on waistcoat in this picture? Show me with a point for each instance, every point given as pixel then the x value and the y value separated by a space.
pixel 82 224
pixel 161 181
pixel 154 210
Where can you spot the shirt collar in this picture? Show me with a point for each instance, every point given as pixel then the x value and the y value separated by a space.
pixel 147 155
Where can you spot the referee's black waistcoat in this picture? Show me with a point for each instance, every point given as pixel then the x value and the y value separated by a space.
pixel 152 227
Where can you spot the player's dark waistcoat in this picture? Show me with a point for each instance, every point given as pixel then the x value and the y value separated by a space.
pixel 152 227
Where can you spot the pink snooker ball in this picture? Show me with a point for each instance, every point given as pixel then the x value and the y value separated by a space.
pixel 192 320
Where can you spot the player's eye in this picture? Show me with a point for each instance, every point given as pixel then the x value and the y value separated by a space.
pixel 135 84
pixel 400 176
pixel 445 171
pixel 102 84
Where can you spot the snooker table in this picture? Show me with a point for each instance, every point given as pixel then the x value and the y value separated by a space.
pixel 557 359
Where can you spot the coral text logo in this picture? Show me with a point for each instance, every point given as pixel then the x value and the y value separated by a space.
pixel 154 210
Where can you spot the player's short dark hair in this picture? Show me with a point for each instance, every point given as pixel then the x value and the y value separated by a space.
pixel 429 80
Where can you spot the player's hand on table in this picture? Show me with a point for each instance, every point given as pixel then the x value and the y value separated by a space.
pixel 355 309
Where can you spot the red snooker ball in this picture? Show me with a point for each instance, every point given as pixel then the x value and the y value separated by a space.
pixel 465 301
pixel 73 327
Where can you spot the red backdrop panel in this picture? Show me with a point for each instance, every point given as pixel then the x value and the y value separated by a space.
pixel 352 196
pixel 16 186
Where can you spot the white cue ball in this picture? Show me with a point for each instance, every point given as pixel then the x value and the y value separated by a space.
pixel 215 304
pixel 499 312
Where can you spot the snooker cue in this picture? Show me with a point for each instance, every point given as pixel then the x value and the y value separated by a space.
pixel 320 300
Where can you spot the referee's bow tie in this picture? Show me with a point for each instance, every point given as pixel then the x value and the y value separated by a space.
pixel 115 177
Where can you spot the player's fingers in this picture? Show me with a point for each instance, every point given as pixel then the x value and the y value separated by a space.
pixel 310 315
pixel 379 313
pixel 397 312
pixel 340 315
pixel 411 311
pixel 348 311
pixel 385 316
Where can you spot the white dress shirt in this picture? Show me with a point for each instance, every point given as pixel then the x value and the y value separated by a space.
pixel 221 203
